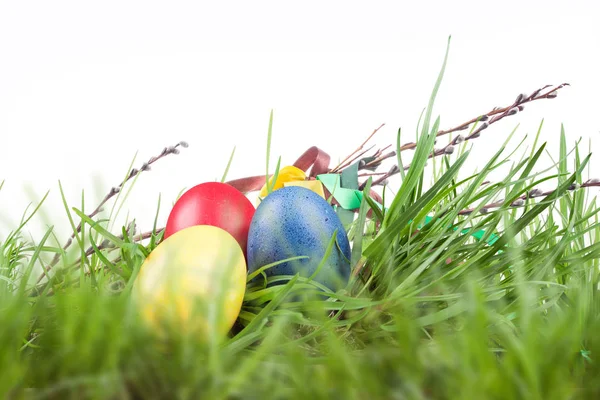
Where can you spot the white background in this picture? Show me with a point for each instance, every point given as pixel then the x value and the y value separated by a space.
pixel 84 86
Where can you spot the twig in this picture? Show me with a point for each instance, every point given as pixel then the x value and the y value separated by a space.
pixel 500 113
pixel 359 148
pixel 105 245
pixel 371 174
pixel 113 191
pixel 497 113
pixel 521 200
pixel 351 161
pixel 489 118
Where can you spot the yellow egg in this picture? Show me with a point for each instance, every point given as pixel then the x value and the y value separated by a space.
pixel 286 174
pixel 193 282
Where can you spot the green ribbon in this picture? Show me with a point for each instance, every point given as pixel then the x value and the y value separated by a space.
pixel 348 199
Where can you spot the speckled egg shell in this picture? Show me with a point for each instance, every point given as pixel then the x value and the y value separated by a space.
pixel 295 221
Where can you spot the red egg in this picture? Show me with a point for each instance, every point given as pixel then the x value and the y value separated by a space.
pixel 213 203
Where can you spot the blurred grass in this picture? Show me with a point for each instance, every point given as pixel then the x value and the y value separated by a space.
pixel 430 312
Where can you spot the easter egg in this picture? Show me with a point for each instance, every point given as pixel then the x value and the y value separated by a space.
pixel 193 282
pixel 295 221
pixel 286 174
pixel 213 203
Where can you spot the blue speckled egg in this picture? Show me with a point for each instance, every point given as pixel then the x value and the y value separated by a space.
pixel 295 221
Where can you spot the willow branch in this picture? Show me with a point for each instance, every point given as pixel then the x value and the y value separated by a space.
pixel 486 120
pixel 113 192
pixel 521 200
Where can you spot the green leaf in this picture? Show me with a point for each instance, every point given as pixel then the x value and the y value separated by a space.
pixel 229 165
pixel 384 241
pixel 423 149
pixel 98 228
pixel 357 243
pixel 269 134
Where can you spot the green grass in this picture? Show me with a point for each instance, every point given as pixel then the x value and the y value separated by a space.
pixel 429 313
